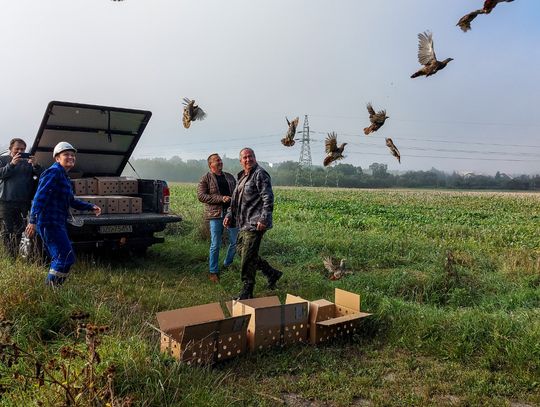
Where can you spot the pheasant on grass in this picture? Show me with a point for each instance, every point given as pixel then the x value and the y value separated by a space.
pixel 335 272
pixel 191 112
pixel 393 149
pixel 377 119
pixel 333 152
pixel 427 57
pixel 288 140
pixel 465 22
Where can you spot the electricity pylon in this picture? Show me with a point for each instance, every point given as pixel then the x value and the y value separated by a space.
pixel 303 171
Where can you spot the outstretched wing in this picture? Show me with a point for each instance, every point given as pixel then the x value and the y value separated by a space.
pixel 465 22
pixel 393 149
pixel 426 51
pixel 199 114
pixel 329 265
pixel 370 109
pixel 331 143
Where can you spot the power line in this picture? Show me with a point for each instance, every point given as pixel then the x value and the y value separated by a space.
pixel 435 121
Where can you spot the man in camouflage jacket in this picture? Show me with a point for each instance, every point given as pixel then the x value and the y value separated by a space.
pixel 251 210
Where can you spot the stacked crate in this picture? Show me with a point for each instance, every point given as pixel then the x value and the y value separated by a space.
pixel 111 194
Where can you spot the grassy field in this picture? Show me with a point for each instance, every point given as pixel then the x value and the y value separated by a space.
pixel 458 335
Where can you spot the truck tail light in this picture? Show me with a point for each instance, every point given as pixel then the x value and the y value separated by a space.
pixel 166 198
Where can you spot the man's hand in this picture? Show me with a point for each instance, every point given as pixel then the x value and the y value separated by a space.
pixel 226 222
pixel 30 230
pixel 32 161
pixel 226 198
pixel 97 210
pixel 261 226
pixel 16 159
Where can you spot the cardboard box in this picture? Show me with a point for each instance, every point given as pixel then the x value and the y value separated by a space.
pixel 329 320
pixel 272 323
pixel 202 334
pixel 129 187
pixel 100 201
pixel 136 205
pixel 116 186
pixel 124 204
pixel 108 185
pixel 91 186
pixel 84 186
pixel 79 186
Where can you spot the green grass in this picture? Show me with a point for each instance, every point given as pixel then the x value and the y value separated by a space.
pixel 470 338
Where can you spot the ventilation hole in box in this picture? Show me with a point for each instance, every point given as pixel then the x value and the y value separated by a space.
pixel 230 339
pixel 260 346
pixel 321 339
pixel 270 332
pixel 348 331
pixel 294 327
pixel 219 355
pixel 229 353
pixel 351 324
pixel 194 354
pixel 301 326
pixel 354 330
pixel 199 360
pixel 238 351
pixel 328 338
pixel 273 338
pixel 174 346
pixel 240 337
pixel 224 347
pixel 200 345
pixel 297 333
pixel 339 328
pixel 286 328
pixel 220 340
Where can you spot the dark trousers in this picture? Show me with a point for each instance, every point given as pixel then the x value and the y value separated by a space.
pixel 247 245
pixel 13 221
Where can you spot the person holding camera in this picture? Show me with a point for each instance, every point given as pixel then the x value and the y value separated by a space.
pixel 18 175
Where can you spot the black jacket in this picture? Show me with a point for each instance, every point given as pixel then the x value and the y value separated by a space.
pixel 17 183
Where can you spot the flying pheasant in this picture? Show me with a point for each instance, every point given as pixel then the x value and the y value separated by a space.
pixel 377 119
pixel 335 272
pixel 465 22
pixel 393 149
pixel 288 140
pixel 333 152
pixel 427 57
pixel 191 112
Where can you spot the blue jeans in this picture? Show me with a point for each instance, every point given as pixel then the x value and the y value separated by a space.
pixel 58 245
pixel 216 231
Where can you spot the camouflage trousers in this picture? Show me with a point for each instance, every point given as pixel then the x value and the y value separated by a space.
pixel 247 246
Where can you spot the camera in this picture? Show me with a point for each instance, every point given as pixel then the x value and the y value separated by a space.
pixel 25 155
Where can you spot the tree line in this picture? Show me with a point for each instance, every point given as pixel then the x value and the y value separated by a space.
pixel 376 175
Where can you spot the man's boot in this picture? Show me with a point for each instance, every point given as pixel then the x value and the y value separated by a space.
pixel 272 274
pixel 273 278
pixel 246 293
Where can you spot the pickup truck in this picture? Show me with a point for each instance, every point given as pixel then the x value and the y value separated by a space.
pixel 105 138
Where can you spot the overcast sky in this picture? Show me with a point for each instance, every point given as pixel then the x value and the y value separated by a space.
pixel 250 63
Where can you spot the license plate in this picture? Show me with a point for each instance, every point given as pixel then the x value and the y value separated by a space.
pixel 115 229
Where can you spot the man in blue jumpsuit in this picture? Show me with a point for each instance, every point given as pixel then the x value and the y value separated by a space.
pixel 50 210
